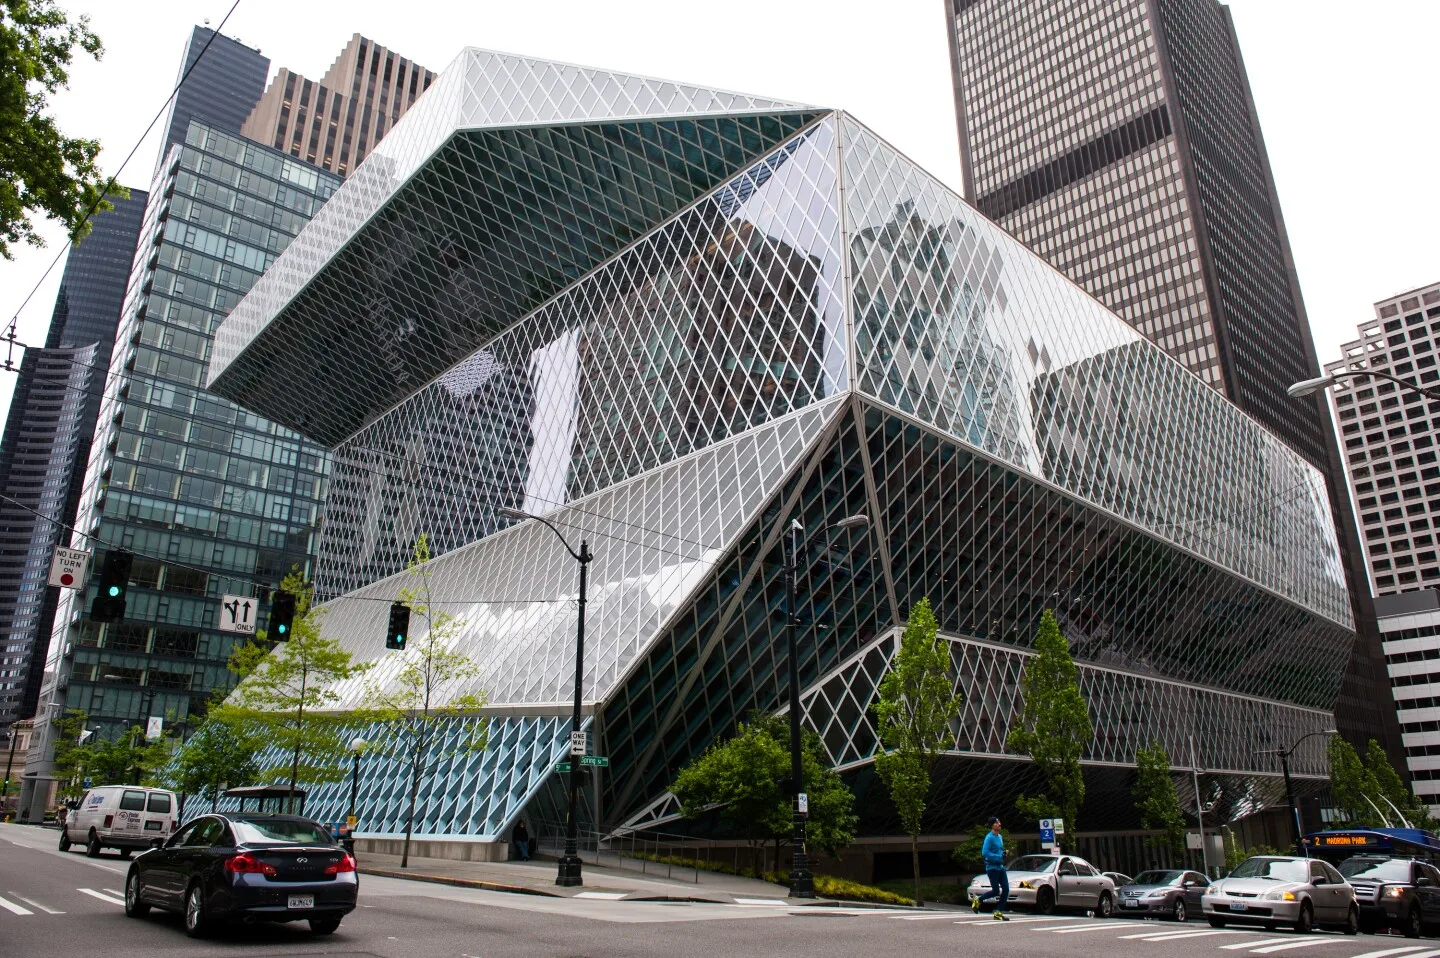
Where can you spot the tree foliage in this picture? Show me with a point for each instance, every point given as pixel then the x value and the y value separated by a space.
pixel 1054 725
pixel 916 705
pixel 745 777
pixel 416 704
pixel 1156 798
pixel 217 756
pixel 1369 791
pixel 42 171
pixel 287 695
pixel 969 853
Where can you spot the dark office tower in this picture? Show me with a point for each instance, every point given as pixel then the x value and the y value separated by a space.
pixel 222 88
pixel 47 440
pixel 335 123
pixel 1119 140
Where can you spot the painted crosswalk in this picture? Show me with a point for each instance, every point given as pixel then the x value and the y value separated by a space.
pixel 33 905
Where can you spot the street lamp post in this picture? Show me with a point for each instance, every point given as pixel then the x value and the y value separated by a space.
pixel 9 762
pixel 1285 754
pixel 802 883
pixel 569 867
pixel 1310 386
pixel 357 748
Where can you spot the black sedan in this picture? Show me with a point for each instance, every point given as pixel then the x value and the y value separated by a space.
pixel 238 867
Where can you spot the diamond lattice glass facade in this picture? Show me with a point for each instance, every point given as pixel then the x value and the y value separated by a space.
pixel 671 320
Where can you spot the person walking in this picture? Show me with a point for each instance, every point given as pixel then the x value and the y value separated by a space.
pixel 992 851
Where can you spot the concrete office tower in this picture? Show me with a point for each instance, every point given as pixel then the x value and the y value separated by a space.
pixel 47 441
pixel 335 123
pixel 222 88
pixel 210 499
pixel 1389 440
pixel 1119 140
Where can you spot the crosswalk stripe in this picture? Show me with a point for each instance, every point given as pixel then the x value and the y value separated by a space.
pixel 1255 944
pixel 36 904
pixel 12 907
pixel 1071 929
pixel 605 895
pixel 941 917
pixel 1017 921
pixel 759 901
pixel 1390 951
pixel 95 894
pixel 1294 944
pixel 1179 935
pixel 114 891
pixel 1156 934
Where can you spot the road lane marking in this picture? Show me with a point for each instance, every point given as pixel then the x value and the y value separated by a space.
pixel 759 901
pixel 1391 951
pixel 12 907
pixel 1018 921
pixel 95 894
pixel 608 895
pixel 1295 944
pixel 1255 944
pixel 1161 933
pixel 1074 928
pixel 114 891
pixel 944 917
pixel 36 904
pixel 1178 935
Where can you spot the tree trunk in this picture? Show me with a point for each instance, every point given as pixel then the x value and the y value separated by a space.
pixel 410 815
pixel 915 865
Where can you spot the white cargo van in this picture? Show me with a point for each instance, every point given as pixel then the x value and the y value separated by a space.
pixel 127 817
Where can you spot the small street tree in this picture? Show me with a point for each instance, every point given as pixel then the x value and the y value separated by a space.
pixel 420 703
pixel 1353 787
pixel 1156 798
pixel 1054 726
pixel 916 705
pixel 219 754
pixel 286 695
pixel 42 170
pixel 1393 795
pixel 744 779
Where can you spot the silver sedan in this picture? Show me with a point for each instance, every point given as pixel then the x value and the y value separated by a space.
pixel 1275 890
pixel 1164 893
pixel 1048 882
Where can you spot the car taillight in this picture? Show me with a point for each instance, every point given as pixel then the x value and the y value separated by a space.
pixel 109 820
pixel 346 864
pixel 243 864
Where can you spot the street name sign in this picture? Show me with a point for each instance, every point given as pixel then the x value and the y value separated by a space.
pixel 596 761
pixel 562 767
pixel 237 614
pixel 67 569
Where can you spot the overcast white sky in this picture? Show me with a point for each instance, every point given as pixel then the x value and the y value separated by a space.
pixel 1347 96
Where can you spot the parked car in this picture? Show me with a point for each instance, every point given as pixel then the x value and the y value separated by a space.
pixel 1047 882
pixel 1398 893
pixel 1119 878
pixel 246 867
pixel 1276 890
pixel 127 817
pixel 1169 893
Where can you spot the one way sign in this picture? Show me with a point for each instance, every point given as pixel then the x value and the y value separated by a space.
pixel 237 614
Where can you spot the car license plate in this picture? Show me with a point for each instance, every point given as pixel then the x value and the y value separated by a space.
pixel 1131 903
pixel 153 826
pixel 1238 906
pixel 301 901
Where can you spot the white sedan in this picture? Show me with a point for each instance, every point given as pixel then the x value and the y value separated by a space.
pixel 1047 882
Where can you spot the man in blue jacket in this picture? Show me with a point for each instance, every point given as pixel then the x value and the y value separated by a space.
pixel 993 853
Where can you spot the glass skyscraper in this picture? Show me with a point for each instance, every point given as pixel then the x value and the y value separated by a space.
pixel 226 79
pixel 671 321
pixel 47 441
pixel 210 498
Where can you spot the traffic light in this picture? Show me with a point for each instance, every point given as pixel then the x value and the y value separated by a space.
pixel 282 615
pixel 399 629
pixel 109 605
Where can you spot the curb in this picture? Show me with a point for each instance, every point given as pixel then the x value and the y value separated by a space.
pixel 457 882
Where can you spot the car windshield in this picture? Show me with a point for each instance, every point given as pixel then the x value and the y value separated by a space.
pixel 1158 877
pixel 272 831
pixel 1276 869
pixel 1032 863
pixel 1370 868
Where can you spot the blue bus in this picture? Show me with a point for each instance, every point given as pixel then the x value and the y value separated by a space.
pixel 1336 845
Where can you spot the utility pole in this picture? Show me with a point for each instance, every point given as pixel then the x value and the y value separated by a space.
pixel 1199 809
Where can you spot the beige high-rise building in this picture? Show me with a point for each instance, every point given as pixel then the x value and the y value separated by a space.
pixel 333 124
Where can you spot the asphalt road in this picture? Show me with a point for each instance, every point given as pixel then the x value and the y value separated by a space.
pixel 66 904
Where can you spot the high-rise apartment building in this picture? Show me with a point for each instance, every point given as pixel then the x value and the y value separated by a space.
pixel 1119 140
pixel 210 499
pixel 224 82
pixel 1389 440
pixel 47 441
pixel 335 123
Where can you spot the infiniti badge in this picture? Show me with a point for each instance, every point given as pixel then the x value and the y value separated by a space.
pixel 302 859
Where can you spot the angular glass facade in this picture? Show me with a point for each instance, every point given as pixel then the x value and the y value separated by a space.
pixel 808 328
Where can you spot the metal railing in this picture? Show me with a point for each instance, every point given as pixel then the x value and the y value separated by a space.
pixel 656 853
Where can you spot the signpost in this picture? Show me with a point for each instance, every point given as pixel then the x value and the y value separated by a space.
pixel 1047 833
pixel 595 761
pixel 237 614
pixel 154 727
pixel 562 766
pixel 67 569
pixel 577 743
pixel 802 804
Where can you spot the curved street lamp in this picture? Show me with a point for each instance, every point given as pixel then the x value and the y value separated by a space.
pixel 569 869
pixel 1285 754
pixel 1310 386
pixel 802 883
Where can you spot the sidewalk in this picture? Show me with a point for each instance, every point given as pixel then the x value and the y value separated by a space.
pixel 538 878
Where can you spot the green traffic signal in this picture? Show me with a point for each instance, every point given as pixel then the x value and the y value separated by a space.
pixel 114 591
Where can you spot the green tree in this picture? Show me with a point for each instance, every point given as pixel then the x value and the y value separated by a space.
pixel 1392 793
pixel 745 777
pixel 1156 799
pixel 406 704
pixel 42 170
pixel 217 756
pixel 1353 787
pixel 1235 854
pixel 287 695
pixel 916 705
pixel 1054 725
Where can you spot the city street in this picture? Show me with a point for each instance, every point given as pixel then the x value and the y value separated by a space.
pixel 50 901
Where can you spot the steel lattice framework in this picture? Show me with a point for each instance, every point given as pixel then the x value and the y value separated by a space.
pixel 671 320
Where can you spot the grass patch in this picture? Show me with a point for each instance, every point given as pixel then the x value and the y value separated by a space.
pixel 826 886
